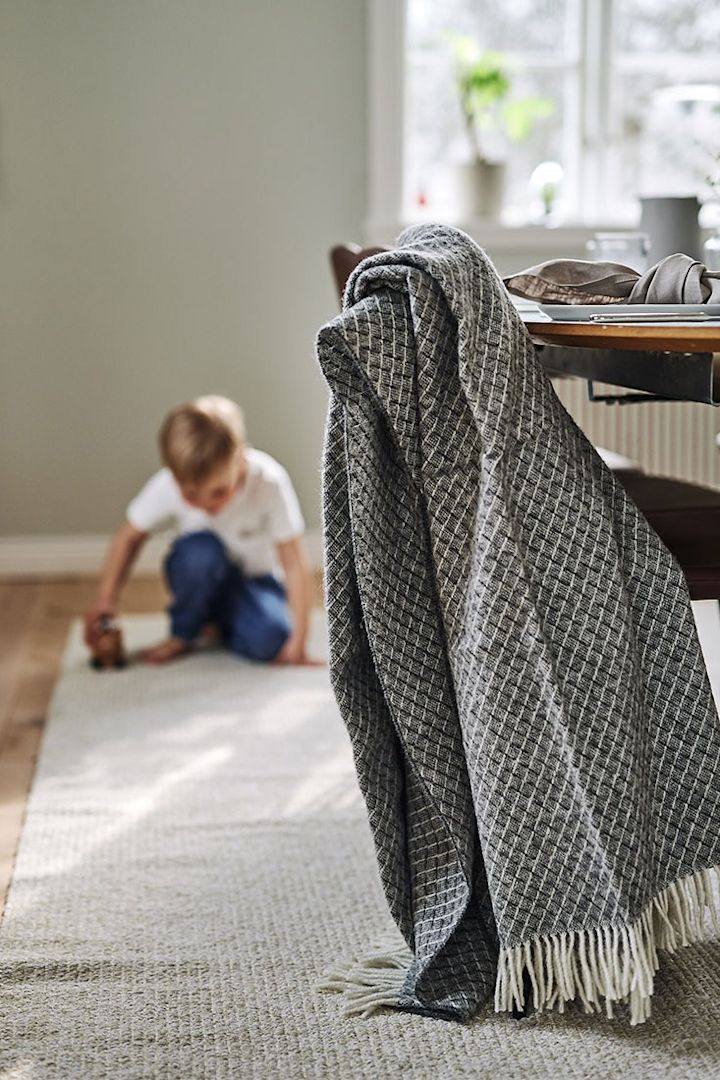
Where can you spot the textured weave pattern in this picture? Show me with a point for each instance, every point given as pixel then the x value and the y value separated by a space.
pixel 196 854
pixel 512 647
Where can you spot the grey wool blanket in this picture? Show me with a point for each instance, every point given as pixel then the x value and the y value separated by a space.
pixel 514 655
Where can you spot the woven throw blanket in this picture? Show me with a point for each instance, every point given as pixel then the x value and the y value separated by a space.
pixel 514 655
pixel 677 279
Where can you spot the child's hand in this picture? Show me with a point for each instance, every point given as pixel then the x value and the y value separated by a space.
pixel 92 621
pixel 293 652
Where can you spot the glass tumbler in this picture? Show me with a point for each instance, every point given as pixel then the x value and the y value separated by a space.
pixel 627 248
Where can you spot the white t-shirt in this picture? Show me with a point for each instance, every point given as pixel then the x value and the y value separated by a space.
pixel 264 512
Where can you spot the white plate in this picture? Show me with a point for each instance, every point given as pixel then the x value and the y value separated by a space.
pixel 628 312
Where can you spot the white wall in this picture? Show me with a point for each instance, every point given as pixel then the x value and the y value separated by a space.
pixel 172 173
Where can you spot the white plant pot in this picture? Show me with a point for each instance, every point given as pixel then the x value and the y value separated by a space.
pixel 479 189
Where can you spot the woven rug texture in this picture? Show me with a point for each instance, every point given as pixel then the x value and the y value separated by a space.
pixel 196 857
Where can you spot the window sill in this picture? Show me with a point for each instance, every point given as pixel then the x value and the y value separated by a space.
pixel 501 236
pixel 505 240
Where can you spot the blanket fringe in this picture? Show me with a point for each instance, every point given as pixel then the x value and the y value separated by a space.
pixel 617 963
pixel 373 982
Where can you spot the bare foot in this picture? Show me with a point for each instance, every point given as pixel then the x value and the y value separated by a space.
pixel 166 650
pixel 210 635
pixel 284 659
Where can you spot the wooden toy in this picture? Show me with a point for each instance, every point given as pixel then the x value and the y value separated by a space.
pixel 107 647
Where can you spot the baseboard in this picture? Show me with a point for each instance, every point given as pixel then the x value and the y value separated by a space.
pixel 83 556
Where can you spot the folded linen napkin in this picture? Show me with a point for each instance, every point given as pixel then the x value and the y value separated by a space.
pixel 677 279
pixel 514 655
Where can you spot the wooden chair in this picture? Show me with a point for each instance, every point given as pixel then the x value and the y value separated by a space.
pixel 343 260
pixel 685 516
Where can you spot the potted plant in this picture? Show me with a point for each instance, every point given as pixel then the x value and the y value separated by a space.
pixel 484 84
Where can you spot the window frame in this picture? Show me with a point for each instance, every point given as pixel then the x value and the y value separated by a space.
pixel 386 68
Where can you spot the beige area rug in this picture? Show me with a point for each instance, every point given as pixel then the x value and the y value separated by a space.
pixel 196 856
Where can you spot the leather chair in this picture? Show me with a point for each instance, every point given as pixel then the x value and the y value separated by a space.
pixel 685 516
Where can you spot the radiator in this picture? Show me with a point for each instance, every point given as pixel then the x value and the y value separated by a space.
pixel 668 438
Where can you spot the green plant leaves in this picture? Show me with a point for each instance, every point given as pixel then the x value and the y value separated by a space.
pixel 520 116
pixel 484 82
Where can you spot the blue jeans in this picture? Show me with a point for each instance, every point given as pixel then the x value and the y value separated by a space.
pixel 208 587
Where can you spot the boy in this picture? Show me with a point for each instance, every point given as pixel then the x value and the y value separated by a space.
pixel 240 528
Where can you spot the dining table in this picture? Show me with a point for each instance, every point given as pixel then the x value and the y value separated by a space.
pixel 678 361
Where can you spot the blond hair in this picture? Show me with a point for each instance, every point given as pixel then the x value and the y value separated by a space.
pixel 200 436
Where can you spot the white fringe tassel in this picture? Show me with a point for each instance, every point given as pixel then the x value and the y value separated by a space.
pixel 617 963
pixel 371 983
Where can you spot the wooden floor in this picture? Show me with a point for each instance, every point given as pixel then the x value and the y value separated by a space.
pixel 34 621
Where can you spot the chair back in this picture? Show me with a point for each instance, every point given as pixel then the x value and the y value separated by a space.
pixel 343 260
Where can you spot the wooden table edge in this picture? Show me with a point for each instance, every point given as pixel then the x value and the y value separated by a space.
pixel 680 339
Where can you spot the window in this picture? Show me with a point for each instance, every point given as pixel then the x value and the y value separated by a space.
pixel 635 86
